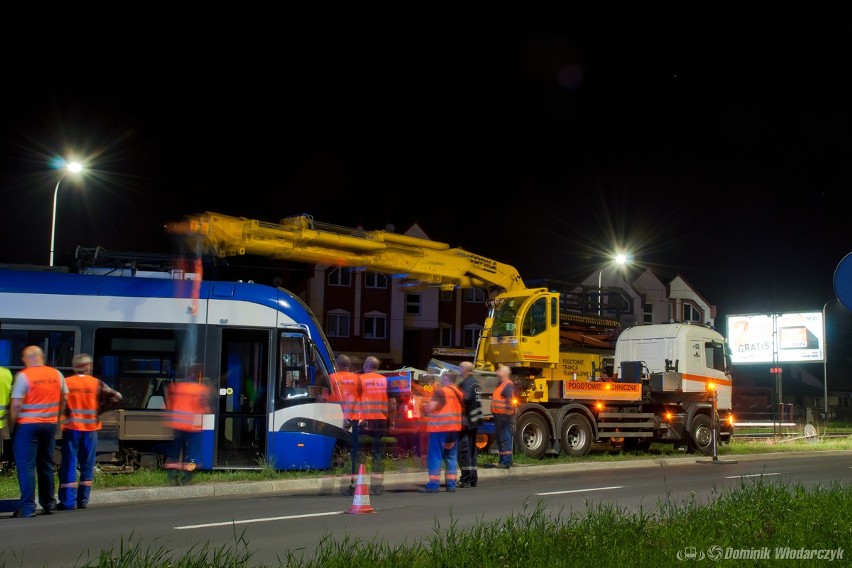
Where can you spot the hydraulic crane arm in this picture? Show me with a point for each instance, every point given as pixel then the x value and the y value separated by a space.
pixel 301 239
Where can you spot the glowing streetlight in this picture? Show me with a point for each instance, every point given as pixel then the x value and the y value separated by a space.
pixel 70 168
pixel 619 259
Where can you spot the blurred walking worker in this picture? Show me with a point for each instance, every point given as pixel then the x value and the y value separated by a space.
pixel 443 424
pixel 345 390
pixel 38 401
pixel 375 409
pixel 503 412
pixel 80 433
pixel 187 400
pixel 471 417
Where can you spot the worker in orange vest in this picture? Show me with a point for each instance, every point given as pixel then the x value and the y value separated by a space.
pixel 80 433
pixel 345 390
pixel 444 423
pixel 376 408
pixel 503 411
pixel 187 401
pixel 38 402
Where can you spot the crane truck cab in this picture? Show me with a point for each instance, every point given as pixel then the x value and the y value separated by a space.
pixel 677 359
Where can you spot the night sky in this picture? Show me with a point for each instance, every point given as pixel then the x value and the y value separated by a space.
pixel 714 145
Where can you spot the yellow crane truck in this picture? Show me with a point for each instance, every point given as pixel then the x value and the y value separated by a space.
pixel 667 383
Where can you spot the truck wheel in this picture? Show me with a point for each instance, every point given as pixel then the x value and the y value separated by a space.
pixel 701 435
pixel 576 439
pixel 532 436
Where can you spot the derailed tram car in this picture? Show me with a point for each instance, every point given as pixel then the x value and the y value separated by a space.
pixel 259 348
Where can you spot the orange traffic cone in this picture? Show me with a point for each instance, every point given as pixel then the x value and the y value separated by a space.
pixel 361 499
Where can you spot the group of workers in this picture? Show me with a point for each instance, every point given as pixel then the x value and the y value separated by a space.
pixel 40 400
pixel 451 418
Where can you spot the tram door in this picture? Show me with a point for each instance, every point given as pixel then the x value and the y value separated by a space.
pixel 242 414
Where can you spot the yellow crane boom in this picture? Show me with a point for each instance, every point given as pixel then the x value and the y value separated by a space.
pixel 302 239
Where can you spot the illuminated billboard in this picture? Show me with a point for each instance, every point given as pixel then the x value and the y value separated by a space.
pixel 778 338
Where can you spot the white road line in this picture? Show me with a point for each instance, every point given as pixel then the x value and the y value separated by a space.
pixel 582 490
pixel 266 520
pixel 751 475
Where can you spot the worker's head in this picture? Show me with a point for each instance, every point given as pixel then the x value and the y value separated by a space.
pixel 82 363
pixel 503 372
pixel 371 364
pixel 343 362
pixel 465 368
pixel 32 356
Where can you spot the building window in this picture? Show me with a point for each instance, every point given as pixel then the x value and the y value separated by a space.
pixel 471 336
pixel 691 313
pixel 648 315
pixel 337 323
pixel 375 280
pixel 413 304
pixel 446 296
pixel 340 276
pixel 375 326
pixel 444 336
pixel 474 295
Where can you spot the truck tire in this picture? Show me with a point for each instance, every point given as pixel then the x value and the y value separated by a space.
pixel 701 435
pixel 576 436
pixel 532 436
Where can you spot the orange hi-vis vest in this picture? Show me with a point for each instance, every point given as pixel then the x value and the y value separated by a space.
pixel 82 403
pixel 449 417
pixel 374 396
pixel 345 392
pixel 499 403
pixel 187 406
pixel 41 403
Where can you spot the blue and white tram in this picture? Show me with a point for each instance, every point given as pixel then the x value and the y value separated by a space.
pixel 260 348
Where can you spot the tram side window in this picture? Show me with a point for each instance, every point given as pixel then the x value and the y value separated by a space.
pixel 139 363
pixel 58 346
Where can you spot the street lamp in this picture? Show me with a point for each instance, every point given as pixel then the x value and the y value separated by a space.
pixel 72 168
pixel 620 259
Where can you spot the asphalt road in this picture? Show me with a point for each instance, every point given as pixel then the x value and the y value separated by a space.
pixel 275 518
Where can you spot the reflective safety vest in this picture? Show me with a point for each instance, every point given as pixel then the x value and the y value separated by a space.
pixel 82 403
pixel 41 403
pixel 345 392
pixel 448 418
pixel 374 396
pixel 502 404
pixel 187 404
pixel 5 393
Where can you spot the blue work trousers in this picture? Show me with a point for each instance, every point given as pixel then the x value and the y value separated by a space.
pixel 78 449
pixel 503 430
pixel 443 450
pixel 34 444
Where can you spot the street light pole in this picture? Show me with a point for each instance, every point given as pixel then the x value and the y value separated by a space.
pixel 825 358
pixel 620 258
pixel 73 167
